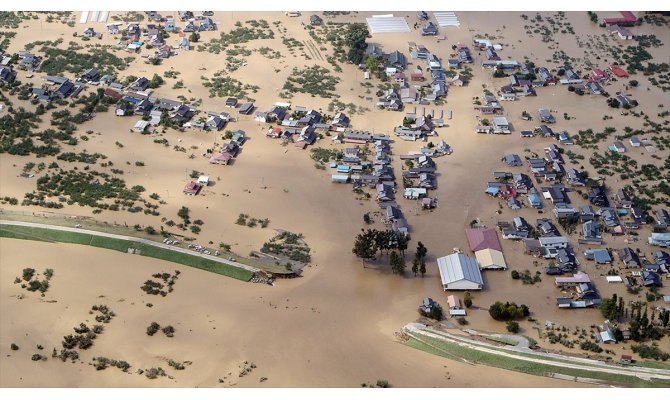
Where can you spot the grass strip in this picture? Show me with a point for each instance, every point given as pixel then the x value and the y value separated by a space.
pixel 49 235
pixel 454 351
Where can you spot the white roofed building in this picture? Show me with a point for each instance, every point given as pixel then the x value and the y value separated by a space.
pixel 460 272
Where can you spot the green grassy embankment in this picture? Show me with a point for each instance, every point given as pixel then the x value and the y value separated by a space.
pixel 49 235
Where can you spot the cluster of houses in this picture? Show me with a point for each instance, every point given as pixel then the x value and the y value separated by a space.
pixel 583 292
pixel 419 127
pixel 491 106
pixel 57 88
pixel 134 37
pixel 423 86
pixel 509 186
pixel 303 126
pixel 7 73
pixel 420 177
pixel 617 26
pixel 228 151
pixel 137 99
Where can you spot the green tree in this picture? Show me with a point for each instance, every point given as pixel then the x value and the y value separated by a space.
pixel 402 241
pixel 421 250
pixel 397 263
pixel 436 312
pixel 415 266
pixel 365 246
pixel 467 299
pixel 372 63
pixel 354 39
pixel 155 81
pixel 512 326
pixel 194 37
pixel 422 267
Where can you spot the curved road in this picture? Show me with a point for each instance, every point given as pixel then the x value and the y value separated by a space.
pixel 561 360
pixel 131 238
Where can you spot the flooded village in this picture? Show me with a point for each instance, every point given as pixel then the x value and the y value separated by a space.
pixel 439 186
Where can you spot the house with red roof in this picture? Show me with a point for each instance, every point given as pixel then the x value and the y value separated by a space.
pixel 618 71
pixel 192 188
pixel 598 74
pixel 483 238
pixel 627 18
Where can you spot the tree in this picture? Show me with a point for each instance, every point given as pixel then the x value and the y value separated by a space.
pixel 183 213
pixel 354 38
pixel 397 263
pixel 415 266
pixel 422 267
pixel 155 81
pixel 421 250
pixel 194 37
pixel 467 299
pixel 365 246
pixel 372 63
pixel 402 240
pixel 512 326
pixel 436 312
pixel 508 311
pixel 366 218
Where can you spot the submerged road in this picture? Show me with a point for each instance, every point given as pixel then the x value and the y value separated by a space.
pixel 525 355
pixel 133 239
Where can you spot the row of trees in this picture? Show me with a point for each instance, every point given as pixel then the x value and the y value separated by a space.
pixel 371 241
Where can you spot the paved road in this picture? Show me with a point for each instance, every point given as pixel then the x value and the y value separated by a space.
pixel 561 360
pixel 134 239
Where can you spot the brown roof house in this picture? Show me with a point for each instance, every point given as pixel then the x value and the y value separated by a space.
pixel 483 238
pixel 192 188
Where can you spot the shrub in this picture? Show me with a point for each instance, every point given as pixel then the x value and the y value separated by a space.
pixel 14 347
pixel 591 346
pixel 512 326
pixel 650 352
pixel 168 331
pixel 515 275
pixel 467 299
pixel 153 328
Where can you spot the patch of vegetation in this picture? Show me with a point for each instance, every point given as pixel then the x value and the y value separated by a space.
pixel 101 363
pixel 33 282
pixel 650 352
pixel 11 19
pixel 288 245
pixel 222 85
pixel 314 80
pixel 251 30
pixel 508 311
pixel 153 373
pixel 251 222
pixel 324 155
pixel 57 61
pixel 156 288
pixel 90 188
